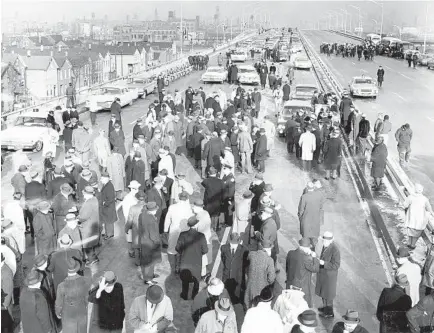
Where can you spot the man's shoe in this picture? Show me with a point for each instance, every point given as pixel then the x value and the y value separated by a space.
pixel 326 315
pixel 321 309
pixel 107 237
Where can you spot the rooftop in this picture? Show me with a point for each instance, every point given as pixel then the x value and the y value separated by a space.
pixel 38 62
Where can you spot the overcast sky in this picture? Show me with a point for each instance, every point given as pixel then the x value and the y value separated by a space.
pixel 288 13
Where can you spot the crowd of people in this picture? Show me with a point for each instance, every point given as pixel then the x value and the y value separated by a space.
pixel 70 209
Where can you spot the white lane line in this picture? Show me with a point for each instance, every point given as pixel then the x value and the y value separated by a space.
pixel 387 67
pixel 431 119
pixel 353 62
pixel 407 77
pixel 364 71
pixel 399 96
pixel 218 259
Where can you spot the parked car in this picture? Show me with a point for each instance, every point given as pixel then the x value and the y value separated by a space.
pixel 247 74
pixel 430 63
pixel 303 91
pixel 214 74
pixel 27 131
pixel 106 95
pixel 363 86
pixel 145 86
pixel 290 108
pixel 302 62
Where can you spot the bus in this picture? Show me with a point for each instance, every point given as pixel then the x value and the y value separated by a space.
pixel 374 38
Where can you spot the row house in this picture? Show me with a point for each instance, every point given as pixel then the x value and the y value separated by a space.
pixel 128 59
pixel 41 76
pixel 12 86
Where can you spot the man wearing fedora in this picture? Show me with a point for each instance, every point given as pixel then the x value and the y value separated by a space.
pixel 117 139
pixel 221 319
pixel 242 215
pixel 132 225
pixel 45 236
pixel 350 324
pixel 61 204
pixel 72 230
pixel 301 263
pixel 109 313
pixel 307 322
pixel 155 194
pixel 261 152
pixel 213 197
pixel 152 312
pixel 310 211
pixel 53 186
pixel 47 284
pixel 327 277
pixel 180 184
pixel 90 225
pixel 412 271
pixel 149 242
pixel 129 201
pixel 107 206
pixel 37 312
pixel 116 170
pixel 393 305
pixel 71 299
pixel 191 246
pixel 58 260
pixel 262 318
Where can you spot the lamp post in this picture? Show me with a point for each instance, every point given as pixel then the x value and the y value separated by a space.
pixel 382 15
pixel 376 24
pixel 426 27
pixel 337 18
pixel 360 18
pixel 344 15
pixel 400 31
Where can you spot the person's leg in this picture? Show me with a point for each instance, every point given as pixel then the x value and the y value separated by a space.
pixel 248 162
pixel 185 283
pixel 137 256
pixel 401 158
pixel 407 155
pixel 195 287
pixel 109 229
pixel 171 258
pixel 327 174
pixel 428 290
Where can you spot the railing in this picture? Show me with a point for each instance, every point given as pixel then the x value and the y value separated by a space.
pixel 400 180
pixel 82 94
pixel 349 35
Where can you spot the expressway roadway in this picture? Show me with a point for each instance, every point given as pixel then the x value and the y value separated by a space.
pixel 407 96
pixel 362 273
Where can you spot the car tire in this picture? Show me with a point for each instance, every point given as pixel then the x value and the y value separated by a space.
pixel 375 97
pixel 145 93
pixel 38 146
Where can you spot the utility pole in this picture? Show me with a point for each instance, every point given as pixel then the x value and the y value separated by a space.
pixel 182 32
pixel 426 28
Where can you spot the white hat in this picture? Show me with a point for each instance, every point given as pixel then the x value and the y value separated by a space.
pixel 134 184
pixel 215 286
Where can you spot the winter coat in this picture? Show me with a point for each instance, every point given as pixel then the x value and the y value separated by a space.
pixel 191 246
pixel 162 317
pixel 379 160
pixel 117 139
pixel 340 328
pixel 213 195
pixel 90 225
pixel 132 223
pixel 299 269
pixel 364 128
pixel 345 107
pixel 149 240
pixel 413 273
pixel 416 216
pixel 195 144
pixel 213 150
pixel 428 269
pixel 115 168
pixel 261 273
pixel 289 305
pixel 81 140
pixel 208 323
pixel 140 173
pixel 307 143
pixel 270 132
pixel 176 222
pixel 45 236
pixel 310 210
pixel 327 277
pixel 37 315
pixel 58 264
pixel 420 317
pixel 403 136
pixel 60 207
pixel 101 150
pixel 262 318
pixel 108 204
pixel 234 73
pixel 261 148
pixel 71 304
pixel 392 306
pixel 234 270
pixel 332 153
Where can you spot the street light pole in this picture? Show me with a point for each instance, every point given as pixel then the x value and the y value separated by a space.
pixel 344 15
pixel 182 32
pixel 426 28
pixel 382 15
pixel 360 18
pixel 376 24
pixel 399 29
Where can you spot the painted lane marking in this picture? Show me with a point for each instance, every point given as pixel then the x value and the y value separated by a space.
pixel 407 77
pixel 218 259
pixel 399 96
pixel 431 119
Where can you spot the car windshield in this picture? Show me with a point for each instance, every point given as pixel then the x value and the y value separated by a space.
pixel 216 70
pixel 304 90
pixel 30 121
pixel 111 91
pixel 363 81
pixel 302 59
pixel 247 70
pixel 139 81
pixel 289 110
pixel 239 52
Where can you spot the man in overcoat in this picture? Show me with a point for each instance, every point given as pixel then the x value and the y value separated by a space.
pixel 234 262
pixel 62 203
pixel 132 224
pixel 327 277
pixel 116 169
pixel 155 194
pixel 234 73
pixel 212 152
pixel 310 210
pixel 117 139
pixel 72 300
pixel 108 205
pixel 420 316
pixel 37 313
pixel 213 196
pixel 116 109
pixel 90 225
pixel 149 242
pixel 45 236
pixel 268 230
pixel 301 263
pixel 191 247
pixel 189 98
pixel 261 150
pixel 380 76
pixel 257 97
pixel 379 160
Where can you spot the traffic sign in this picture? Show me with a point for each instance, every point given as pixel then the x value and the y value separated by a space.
pixel 358 29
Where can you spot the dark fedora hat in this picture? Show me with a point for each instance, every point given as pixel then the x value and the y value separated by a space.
pixel 266 294
pixel 73 265
pixel 40 260
pixel 154 294
pixel 351 317
pixel 304 242
pixel 33 277
pixel 223 306
pixel 110 278
pixel 308 318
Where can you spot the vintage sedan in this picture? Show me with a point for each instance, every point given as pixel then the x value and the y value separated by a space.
pixel 290 108
pixel 214 74
pixel 239 56
pixel 430 63
pixel 247 74
pixel 302 62
pixel 27 131
pixel 303 91
pixel 105 96
pixel 144 86
pixel 363 86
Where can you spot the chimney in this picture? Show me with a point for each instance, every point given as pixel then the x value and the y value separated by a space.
pixel 59 48
pixel 42 48
pixel 51 53
pixel 66 53
pixel 90 46
pixel 29 53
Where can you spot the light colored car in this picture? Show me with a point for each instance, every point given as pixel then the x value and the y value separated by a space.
pixel 302 62
pixel 214 74
pixel 296 48
pixel 247 74
pixel 423 59
pixel 303 91
pixel 430 63
pixel 144 86
pixel 27 132
pixel 363 86
pixel 290 108
pixel 239 55
pixel 106 95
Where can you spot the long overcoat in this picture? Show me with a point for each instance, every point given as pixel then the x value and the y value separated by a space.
pixel 299 269
pixel 213 150
pixel 261 148
pixel 116 170
pixel 310 209
pixel 108 204
pixel 332 153
pixel 45 236
pixel 234 73
pixel 379 160
pixel 307 142
pixel 213 196
pixel 58 264
pixel 176 222
pixel 71 304
pixel 132 223
pixel 327 277
pixel 191 246
pixel 234 270
pixel 89 220
pixel 60 206
pixel 149 240
pixel 195 144
pixel 117 139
